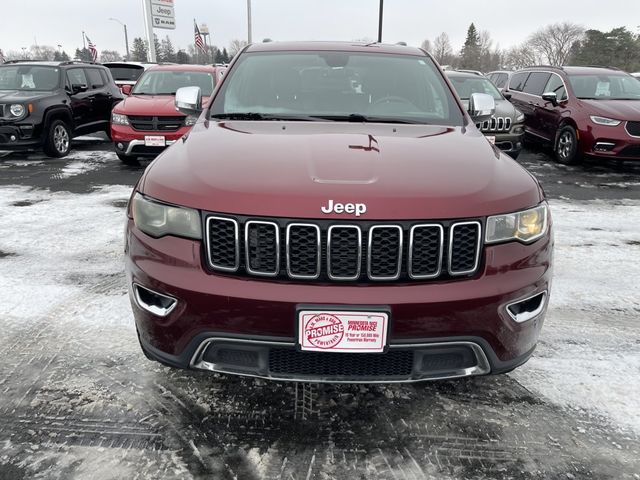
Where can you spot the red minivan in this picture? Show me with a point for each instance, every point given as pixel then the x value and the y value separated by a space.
pixel 580 111
pixel 146 121
pixel 335 215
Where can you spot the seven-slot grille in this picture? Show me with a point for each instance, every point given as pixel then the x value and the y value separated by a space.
pixel 330 251
pixel 495 124
pixel 156 124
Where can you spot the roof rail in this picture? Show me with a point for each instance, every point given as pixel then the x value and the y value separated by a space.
pixel 23 61
pixel 602 66
pixel 557 67
pixel 76 62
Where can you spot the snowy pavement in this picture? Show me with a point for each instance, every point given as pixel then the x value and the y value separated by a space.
pixel 79 400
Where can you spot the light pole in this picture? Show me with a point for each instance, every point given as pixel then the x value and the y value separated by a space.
pixel 249 21
pixel 380 21
pixel 126 37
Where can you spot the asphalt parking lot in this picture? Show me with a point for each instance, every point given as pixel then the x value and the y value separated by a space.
pixel 79 400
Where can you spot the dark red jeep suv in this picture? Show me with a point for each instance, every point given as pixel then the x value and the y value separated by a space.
pixel 580 110
pixel 335 215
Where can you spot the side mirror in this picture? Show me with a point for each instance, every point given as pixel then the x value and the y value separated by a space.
pixel 506 95
pixel 189 100
pixel 126 89
pixel 78 88
pixel 550 97
pixel 481 107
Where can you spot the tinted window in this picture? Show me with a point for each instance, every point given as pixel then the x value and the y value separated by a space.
pixel 76 76
pixel 517 81
pixel 555 85
pixel 167 82
pixel 29 77
pixel 95 80
pixel 333 85
pixel 605 86
pixel 536 82
pixel 129 73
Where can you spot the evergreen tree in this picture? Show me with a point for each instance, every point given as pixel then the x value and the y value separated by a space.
pixel 166 52
pixel 83 54
pixel 139 50
pixel 158 48
pixel 470 53
pixel 225 56
pixel 61 56
pixel 182 57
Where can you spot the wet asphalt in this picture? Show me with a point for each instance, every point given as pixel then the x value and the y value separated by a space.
pixel 85 403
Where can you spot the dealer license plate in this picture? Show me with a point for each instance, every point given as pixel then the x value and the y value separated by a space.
pixel 342 331
pixel 154 141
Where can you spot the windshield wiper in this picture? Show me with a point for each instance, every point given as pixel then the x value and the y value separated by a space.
pixel 263 116
pixel 359 117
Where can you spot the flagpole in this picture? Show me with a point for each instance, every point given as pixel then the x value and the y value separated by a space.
pixel 84 42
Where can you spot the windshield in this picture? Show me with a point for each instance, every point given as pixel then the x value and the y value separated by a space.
pixel 167 82
pixel 29 77
pixel 338 86
pixel 465 86
pixel 605 87
pixel 128 73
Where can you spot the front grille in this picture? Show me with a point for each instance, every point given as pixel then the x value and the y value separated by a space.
pixel 394 363
pixel 633 129
pixel 495 124
pixel 156 124
pixel 334 251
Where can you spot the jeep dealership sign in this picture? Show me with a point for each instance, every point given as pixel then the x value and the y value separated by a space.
pixel 162 14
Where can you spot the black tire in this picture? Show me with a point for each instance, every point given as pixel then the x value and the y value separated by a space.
pixel 127 159
pixel 566 149
pixel 58 141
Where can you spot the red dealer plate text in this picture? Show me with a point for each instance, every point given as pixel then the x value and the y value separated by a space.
pixel 342 331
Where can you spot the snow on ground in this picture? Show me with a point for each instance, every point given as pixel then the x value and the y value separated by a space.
pixel 589 354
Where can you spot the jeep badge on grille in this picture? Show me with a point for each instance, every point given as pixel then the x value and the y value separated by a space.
pixel 351 208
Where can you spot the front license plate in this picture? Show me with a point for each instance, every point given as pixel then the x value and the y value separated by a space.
pixel 492 139
pixel 342 331
pixel 154 141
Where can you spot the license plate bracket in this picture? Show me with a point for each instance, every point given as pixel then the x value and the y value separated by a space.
pixel 342 329
pixel 154 141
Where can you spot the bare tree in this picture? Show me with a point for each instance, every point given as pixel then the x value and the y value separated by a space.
pixel 110 56
pixel 426 46
pixel 521 56
pixel 42 52
pixel 554 43
pixel 235 46
pixel 442 50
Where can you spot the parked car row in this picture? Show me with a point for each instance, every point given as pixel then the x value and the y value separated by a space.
pixel 46 104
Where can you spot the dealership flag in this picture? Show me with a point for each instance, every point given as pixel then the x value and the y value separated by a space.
pixel 92 49
pixel 197 37
pixel 2 59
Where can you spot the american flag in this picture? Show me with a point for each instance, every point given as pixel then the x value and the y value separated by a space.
pixel 2 59
pixel 92 49
pixel 198 37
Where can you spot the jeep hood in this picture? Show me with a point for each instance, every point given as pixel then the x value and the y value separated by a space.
pixel 291 169
pixel 21 96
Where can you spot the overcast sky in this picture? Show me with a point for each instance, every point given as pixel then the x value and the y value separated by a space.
pixel 53 22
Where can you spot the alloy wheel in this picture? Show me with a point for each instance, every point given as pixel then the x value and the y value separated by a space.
pixel 61 139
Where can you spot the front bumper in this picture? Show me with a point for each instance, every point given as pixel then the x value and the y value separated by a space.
pixel 212 311
pixel 609 142
pixel 510 143
pixel 128 141
pixel 18 137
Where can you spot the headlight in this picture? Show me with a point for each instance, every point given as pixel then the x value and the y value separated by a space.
pixel 191 120
pixel 119 119
pixel 17 110
pixel 158 219
pixel 525 226
pixel 609 122
pixel 519 116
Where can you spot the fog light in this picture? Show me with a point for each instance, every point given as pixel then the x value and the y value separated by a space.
pixel 153 302
pixel 603 147
pixel 12 138
pixel 120 146
pixel 528 308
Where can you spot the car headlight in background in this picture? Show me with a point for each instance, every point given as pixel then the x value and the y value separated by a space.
pixel 519 116
pixel 159 219
pixel 17 110
pixel 525 226
pixel 609 122
pixel 191 120
pixel 119 119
